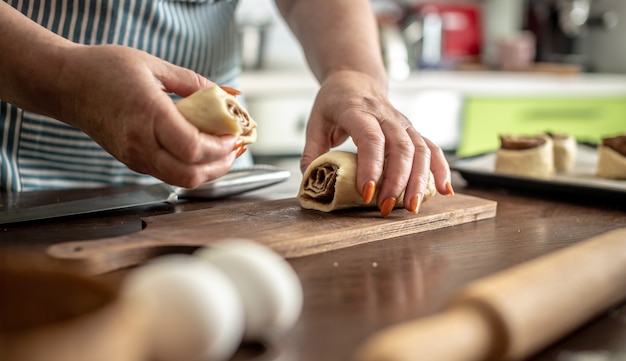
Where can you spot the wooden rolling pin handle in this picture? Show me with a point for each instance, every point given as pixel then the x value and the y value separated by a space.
pixel 461 333
pixel 514 313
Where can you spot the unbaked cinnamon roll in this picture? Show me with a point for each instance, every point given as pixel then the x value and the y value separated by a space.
pixel 612 158
pixel 215 111
pixel 329 183
pixel 527 156
pixel 565 149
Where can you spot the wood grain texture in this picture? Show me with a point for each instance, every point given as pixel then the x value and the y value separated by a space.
pixel 281 224
pixel 514 313
pixel 354 292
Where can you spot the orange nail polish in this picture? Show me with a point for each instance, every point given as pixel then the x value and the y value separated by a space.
pixel 368 191
pixel 241 151
pixel 449 188
pixel 239 143
pixel 387 206
pixel 231 91
pixel 416 202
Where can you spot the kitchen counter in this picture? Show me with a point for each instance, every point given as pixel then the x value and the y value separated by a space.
pixel 491 83
pixel 462 111
pixel 354 292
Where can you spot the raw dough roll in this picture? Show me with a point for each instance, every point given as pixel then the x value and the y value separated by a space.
pixel 565 148
pixel 612 158
pixel 329 183
pixel 214 111
pixel 525 156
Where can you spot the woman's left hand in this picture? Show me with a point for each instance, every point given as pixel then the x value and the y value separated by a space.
pixel 352 104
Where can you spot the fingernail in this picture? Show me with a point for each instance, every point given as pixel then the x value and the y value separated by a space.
pixel 387 206
pixel 231 91
pixel 368 191
pixel 449 188
pixel 416 202
pixel 239 143
pixel 240 151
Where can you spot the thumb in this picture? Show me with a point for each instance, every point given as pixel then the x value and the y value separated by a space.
pixel 314 146
pixel 183 82
pixel 310 153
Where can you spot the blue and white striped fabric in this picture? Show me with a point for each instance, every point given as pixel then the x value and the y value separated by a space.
pixel 37 152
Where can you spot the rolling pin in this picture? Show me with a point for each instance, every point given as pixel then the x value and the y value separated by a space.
pixel 515 313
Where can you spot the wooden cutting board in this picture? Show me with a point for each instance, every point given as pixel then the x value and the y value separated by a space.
pixel 281 224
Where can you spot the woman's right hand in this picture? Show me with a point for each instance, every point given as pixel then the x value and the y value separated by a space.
pixel 119 97
pixel 116 95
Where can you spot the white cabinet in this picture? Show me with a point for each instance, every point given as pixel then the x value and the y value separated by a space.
pixel 437 103
pixel 281 104
pixel 281 123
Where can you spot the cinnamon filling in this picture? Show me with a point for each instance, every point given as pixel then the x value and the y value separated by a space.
pixel 557 136
pixel 520 142
pixel 617 143
pixel 241 116
pixel 321 183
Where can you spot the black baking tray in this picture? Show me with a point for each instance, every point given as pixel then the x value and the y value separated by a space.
pixel 580 182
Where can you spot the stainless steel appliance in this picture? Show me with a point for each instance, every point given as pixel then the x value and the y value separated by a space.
pixel 560 26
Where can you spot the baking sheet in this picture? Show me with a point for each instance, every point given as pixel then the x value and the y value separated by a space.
pixel 581 180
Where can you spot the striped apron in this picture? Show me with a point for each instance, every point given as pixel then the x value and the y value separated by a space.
pixel 37 152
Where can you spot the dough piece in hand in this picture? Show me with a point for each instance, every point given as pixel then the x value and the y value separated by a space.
pixel 525 156
pixel 565 149
pixel 214 111
pixel 612 158
pixel 329 183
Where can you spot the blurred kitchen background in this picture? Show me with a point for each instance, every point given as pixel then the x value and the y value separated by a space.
pixel 463 71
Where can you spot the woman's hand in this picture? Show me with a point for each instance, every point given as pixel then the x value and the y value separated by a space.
pixel 119 97
pixel 116 95
pixel 389 147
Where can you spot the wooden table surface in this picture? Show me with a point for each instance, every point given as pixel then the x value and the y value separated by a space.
pixel 354 292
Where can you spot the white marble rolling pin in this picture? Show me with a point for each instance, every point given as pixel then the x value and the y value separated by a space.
pixel 514 313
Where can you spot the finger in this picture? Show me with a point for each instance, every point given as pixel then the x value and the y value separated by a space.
pixel 399 163
pixel 317 141
pixel 440 168
pixel 181 81
pixel 417 185
pixel 312 150
pixel 186 143
pixel 367 135
pixel 172 171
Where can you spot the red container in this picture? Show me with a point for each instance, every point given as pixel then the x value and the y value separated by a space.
pixel 461 32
